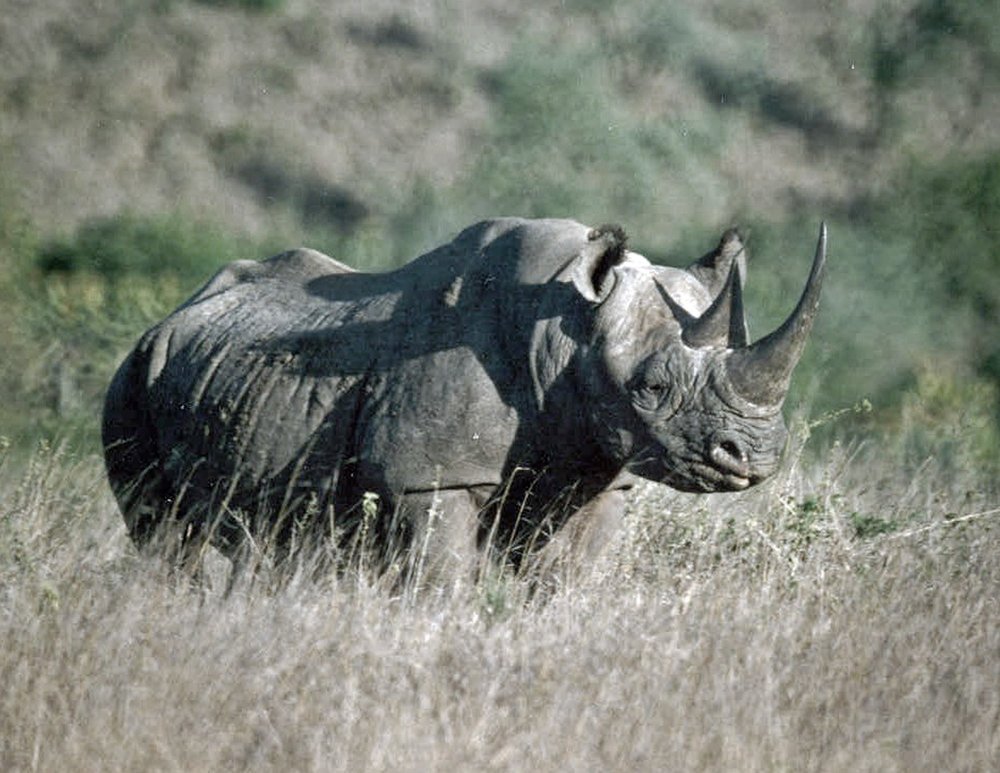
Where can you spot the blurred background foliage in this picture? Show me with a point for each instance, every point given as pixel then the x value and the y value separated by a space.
pixel 144 146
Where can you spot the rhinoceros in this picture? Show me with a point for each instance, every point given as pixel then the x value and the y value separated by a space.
pixel 497 391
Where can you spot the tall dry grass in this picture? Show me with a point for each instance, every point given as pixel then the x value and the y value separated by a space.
pixel 842 617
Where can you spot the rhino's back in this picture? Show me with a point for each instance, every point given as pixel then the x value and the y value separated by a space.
pixel 293 267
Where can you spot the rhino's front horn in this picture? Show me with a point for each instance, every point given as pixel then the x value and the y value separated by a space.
pixel 762 371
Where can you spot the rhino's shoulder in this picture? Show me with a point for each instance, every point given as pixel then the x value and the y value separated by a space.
pixel 296 267
pixel 302 264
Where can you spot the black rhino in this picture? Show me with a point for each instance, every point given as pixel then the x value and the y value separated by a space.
pixel 500 389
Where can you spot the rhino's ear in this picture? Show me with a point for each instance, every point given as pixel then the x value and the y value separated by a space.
pixel 605 248
pixel 713 269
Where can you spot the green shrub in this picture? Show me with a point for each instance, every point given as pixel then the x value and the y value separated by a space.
pixel 869 526
pixel 952 213
pixel 563 143
pixel 246 5
pixel 133 245
pixel 951 417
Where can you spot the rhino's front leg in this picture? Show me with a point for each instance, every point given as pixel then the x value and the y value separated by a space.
pixel 582 541
pixel 445 526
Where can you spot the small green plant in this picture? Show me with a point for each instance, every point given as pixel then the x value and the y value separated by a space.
pixel 868 526
pixel 805 522
pixel 497 594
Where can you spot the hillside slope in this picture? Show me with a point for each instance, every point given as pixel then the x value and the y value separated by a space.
pixel 319 114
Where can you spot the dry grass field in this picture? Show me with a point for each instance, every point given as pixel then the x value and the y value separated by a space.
pixel 841 618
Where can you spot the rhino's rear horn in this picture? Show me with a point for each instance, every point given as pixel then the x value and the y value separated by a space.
pixel 722 324
pixel 713 268
pixel 762 372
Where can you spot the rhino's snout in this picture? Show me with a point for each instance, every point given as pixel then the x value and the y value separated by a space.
pixel 725 466
pixel 739 462
pixel 731 463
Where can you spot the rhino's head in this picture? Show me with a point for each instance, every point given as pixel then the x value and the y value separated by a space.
pixel 677 393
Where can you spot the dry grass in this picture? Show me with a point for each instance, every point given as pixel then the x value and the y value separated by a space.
pixel 753 632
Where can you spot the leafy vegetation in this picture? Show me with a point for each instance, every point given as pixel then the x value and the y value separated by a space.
pixel 129 246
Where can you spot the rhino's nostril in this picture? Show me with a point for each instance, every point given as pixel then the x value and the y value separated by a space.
pixel 730 457
pixel 733 450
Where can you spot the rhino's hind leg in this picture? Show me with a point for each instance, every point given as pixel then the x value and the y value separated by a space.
pixel 134 465
pixel 139 486
pixel 131 457
pixel 147 503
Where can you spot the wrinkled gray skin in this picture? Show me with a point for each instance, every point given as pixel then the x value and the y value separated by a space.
pixel 500 389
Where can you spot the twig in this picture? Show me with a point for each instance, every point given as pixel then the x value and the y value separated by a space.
pixel 946 522
pixel 771 544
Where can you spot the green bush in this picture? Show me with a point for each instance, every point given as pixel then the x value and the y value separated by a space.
pixel 951 417
pixel 246 5
pixel 951 211
pixel 130 245
pixel 563 143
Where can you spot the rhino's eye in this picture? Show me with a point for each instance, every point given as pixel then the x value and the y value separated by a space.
pixel 649 394
pixel 654 386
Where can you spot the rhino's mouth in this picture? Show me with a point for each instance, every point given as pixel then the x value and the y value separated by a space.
pixel 720 479
pixel 697 475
